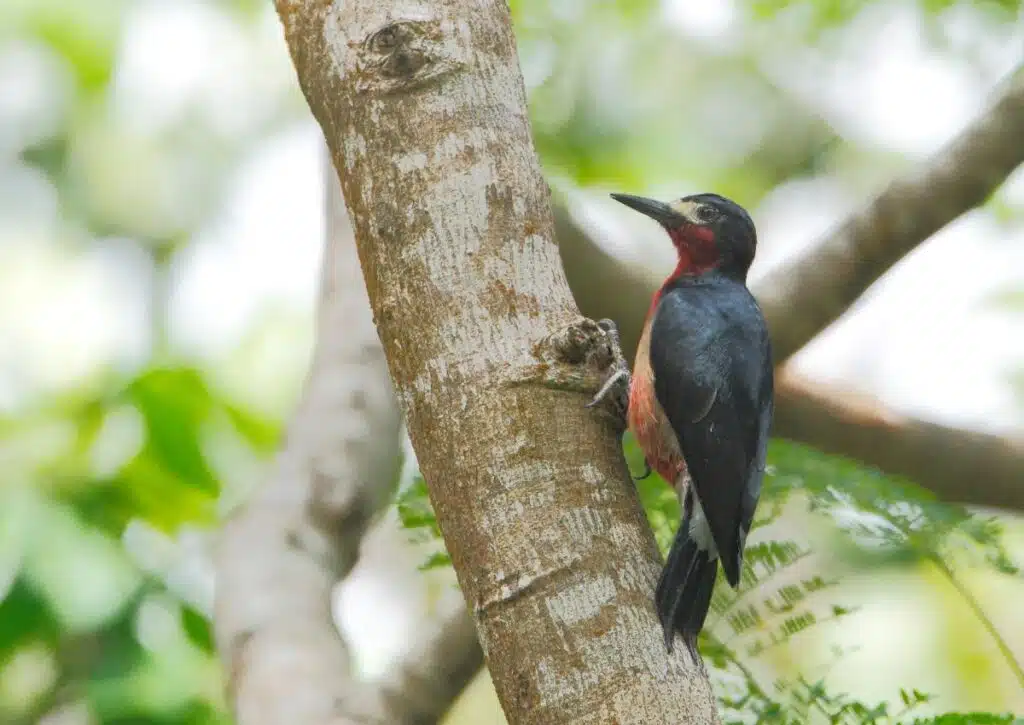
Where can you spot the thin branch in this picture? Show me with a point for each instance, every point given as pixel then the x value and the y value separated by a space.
pixel 1004 649
pixel 804 297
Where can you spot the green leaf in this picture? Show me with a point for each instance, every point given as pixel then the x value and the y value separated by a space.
pixel 84 34
pixel 436 560
pixel 882 516
pixel 415 510
pixel 261 433
pixel 970 718
pixel 175 404
pixel 197 628
pixel 25 615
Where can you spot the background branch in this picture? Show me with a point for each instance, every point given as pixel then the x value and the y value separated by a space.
pixel 804 297
pixel 957 465
pixel 428 679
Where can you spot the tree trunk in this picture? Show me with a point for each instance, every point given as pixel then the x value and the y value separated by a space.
pixel 423 107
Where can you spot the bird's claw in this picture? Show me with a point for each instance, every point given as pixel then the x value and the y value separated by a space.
pixel 608 385
pixel 647 471
pixel 611 330
pixel 616 385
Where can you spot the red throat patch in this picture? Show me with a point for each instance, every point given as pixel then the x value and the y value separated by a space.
pixel 696 248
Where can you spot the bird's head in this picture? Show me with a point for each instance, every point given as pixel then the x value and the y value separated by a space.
pixel 708 231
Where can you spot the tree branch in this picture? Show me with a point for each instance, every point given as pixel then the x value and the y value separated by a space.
pixel 281 555
pixel 424 109
pixel 802 298
pixel 435 671
pixel 957 465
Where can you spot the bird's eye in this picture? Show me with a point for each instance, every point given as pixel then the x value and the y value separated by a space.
pixel 707 213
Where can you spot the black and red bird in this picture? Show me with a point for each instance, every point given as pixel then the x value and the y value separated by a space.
pixel 701 398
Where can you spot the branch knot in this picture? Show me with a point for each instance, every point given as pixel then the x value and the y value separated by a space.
pixel 403 55
pixel 582 358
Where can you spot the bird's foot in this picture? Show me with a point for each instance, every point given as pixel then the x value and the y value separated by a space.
pixel 647 471
pixel 616 378
pixel 586 357
pixel 615 388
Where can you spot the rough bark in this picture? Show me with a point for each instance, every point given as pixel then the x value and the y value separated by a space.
pixel 958 465
pixel 424 110
pixel 802 298
pixel 281 555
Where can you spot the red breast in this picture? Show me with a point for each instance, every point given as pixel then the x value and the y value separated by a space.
pixel 646 419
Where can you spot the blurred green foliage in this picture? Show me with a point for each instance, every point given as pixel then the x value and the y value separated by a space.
pixel 89 612
pixel 112 475
pixel 106 480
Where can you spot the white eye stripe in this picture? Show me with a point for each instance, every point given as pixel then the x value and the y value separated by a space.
pixel 688 209
pixel 696 212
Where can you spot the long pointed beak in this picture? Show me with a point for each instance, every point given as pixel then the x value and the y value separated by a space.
pixel 659 211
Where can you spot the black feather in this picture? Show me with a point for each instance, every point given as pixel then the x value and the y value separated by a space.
pixel 712 366
pixel 684 590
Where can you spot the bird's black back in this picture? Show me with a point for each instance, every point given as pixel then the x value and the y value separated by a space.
pixel 712 365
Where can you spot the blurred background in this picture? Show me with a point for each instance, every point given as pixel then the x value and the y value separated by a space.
pixel 161 225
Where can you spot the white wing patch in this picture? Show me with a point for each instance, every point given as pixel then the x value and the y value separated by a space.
pixel 700 530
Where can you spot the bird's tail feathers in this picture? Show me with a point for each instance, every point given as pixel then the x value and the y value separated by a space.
pixel 684 591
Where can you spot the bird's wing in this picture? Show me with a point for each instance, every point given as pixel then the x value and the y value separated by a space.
pixel 757 468
pixel 708 353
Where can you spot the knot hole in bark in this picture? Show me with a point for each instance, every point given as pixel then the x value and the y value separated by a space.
pixel 404 54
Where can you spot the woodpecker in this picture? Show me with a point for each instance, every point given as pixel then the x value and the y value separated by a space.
pixel 701 398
